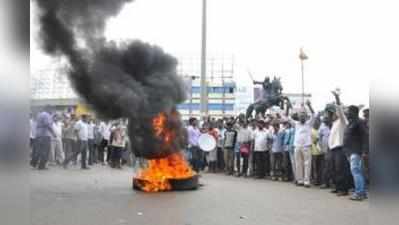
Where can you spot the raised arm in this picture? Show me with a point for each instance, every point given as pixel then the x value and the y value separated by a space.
pixel 340 109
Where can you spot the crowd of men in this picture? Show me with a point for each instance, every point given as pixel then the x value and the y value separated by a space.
pixel 64 139
pixel 328 149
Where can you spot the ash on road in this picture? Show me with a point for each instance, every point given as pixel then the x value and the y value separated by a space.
pixel 102 196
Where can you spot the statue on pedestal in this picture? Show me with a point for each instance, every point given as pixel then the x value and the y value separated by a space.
pixel 271 96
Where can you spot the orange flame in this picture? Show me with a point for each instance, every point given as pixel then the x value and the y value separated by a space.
pixel 156 176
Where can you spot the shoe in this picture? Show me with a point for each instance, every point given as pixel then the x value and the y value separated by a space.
pixel 334 191
pixel 299 184
pixel 307 185
pixel 43 168
pixel 85 168
pixel 324 186
pixel 356 197
pixel 342 193
pixel 274 179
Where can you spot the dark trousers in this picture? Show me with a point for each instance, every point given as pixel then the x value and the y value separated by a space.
pixel 220 159
pixel 101 150
pixel 197 157
pixel 328 168
pixel 286 166
pixel 317 168
pixel 260 164
pixel 92 153
pixel 244 164
pixel 276 164
pixel 342 173
pixel 267 163
pixel 41 152
pixel 109 153
pixel 116 156
pixel 82 149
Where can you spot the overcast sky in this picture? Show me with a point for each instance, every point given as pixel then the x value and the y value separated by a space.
pixel 265 37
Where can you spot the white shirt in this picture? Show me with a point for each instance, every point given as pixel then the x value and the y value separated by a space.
pixel 57 128
pixel 83 130
pixel 244 135
pixel 303 133
pixel 336 138
pixel 105 130
pixel 90 134
pixel 261 137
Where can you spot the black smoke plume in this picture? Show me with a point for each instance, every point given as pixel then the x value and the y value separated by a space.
pixel 131 80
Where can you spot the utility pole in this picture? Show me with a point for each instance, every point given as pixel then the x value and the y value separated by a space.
pixel 303 57
pixel 204 88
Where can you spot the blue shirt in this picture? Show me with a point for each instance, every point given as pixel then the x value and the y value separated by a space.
pixel 44 125
pixel 278 141
pixel 289 139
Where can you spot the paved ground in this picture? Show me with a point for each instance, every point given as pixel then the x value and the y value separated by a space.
pixel 102 196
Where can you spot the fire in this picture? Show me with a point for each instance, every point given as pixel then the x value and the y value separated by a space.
pixel 156 176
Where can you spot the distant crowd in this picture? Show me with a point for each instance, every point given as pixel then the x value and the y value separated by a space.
pixel 65 140
pixel 328 149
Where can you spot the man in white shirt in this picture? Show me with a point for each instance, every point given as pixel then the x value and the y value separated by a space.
pixel 105 130
pixel 92 152
pixel 302 143
pixel 342 177
pixel 261 136
pixel 57 154
pixel 82 131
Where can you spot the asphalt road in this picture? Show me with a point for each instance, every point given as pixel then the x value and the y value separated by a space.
pixel 103 196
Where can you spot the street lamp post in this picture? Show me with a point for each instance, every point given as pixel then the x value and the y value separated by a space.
pixel 204 88
pixel 303 57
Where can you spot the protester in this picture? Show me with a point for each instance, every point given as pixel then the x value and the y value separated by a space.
pixel 366 116
pixel 91 143
pixel 289 152
pixel 303 142
pixel 193 136
pixel 324 133
pixel 81 130
pixel 244 138
pixel 317 155
pixel 105 130
pixel 342 177
pixel 212 155
pixel 70 138
pixel 57 154
pixel 219 145
pixel 354 146
pixel 277 136
pixel 44 133
pixel 32 135
pixel 251 160
pixel 118 143
pixel 230 141
pixel 261 136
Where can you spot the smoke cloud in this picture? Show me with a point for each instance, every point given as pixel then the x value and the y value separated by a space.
pixel 131 80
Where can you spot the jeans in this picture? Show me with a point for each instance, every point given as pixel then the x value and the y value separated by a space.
pixel 357 173
pixel 293 164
